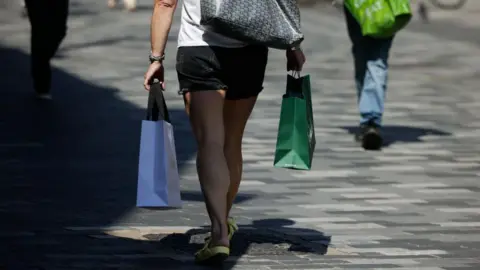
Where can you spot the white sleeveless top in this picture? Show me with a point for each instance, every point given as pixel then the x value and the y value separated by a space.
pixel 194 34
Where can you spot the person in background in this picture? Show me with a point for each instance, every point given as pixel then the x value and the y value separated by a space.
pixel 220 79
pixel 130 5
pixel 423 12
pixel 371 72
pixel 48 20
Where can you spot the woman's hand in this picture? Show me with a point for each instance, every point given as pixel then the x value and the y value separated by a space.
pixel 155 71
pixel 295 59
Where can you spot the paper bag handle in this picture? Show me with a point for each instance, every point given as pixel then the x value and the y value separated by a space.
pixel 157 108
pixel 294 86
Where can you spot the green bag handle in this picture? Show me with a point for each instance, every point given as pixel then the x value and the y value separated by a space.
pixel 294 87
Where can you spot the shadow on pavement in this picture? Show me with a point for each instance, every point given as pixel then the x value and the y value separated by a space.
pixel 264 238
pixel 70 161
pixel 393 134
pixel 120 249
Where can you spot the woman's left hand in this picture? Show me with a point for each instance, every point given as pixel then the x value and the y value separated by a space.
pixel 154 71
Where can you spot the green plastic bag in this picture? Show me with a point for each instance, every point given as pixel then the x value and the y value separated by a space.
pixel 402 11
pixel 296 132
pixel 380 18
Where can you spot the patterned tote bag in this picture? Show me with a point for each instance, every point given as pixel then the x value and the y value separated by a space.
pixel 273 23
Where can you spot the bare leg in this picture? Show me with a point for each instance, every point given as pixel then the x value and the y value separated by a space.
pixel 205 109
pixel 236 114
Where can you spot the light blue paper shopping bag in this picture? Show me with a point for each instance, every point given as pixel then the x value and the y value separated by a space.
pixel 158 178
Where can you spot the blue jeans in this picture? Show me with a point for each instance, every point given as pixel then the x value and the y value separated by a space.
pixel 371 71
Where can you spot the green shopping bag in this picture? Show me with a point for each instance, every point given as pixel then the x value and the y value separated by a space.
pixel 380 18
pixel 296 133
pixel 402 11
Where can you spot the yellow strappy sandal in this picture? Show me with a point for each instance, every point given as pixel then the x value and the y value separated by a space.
pixel 216 255
pixel 212 255
pixel 232 227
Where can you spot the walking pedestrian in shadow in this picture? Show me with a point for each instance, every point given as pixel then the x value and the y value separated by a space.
pixel 48 20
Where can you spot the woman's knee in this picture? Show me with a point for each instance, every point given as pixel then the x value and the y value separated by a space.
pixel 232 145
pixel 211 141
pixel 208 135
pixel 206 117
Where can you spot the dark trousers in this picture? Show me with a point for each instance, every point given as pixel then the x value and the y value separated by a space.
pixel 48 19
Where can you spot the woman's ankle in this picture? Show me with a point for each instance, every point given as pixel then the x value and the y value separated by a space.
pixel 219 235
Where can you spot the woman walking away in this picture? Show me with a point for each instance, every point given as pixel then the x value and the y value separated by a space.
pixel 220 79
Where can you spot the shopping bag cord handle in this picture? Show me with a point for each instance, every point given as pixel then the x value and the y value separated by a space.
pixel 296 74
pixel 157 108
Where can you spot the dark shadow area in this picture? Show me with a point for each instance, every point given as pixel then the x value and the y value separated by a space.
pixel 268 237
pixel 265 239
pixel 393 134
pixel 72 160
pixel 68 162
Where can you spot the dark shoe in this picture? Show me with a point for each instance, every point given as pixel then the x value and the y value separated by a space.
pixel 370 137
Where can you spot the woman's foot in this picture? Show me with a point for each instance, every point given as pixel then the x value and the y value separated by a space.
pixel 212 254
pixel 232 229
pixel 217 246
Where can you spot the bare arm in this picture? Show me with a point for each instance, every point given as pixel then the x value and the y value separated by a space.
pixel 162 17
pixel 160 27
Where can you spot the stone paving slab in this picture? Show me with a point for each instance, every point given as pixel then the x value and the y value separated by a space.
pixel 68 168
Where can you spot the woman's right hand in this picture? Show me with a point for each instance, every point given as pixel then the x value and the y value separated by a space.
pixel 154 71
pixel 295 59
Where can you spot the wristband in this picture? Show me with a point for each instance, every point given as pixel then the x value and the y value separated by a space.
pixel 153 58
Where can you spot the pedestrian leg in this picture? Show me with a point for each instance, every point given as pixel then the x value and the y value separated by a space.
pixel 48 28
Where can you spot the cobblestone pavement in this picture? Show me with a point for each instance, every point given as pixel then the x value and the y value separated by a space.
pixel 68 167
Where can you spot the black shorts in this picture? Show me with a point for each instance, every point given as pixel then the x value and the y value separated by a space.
pixel 239 71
